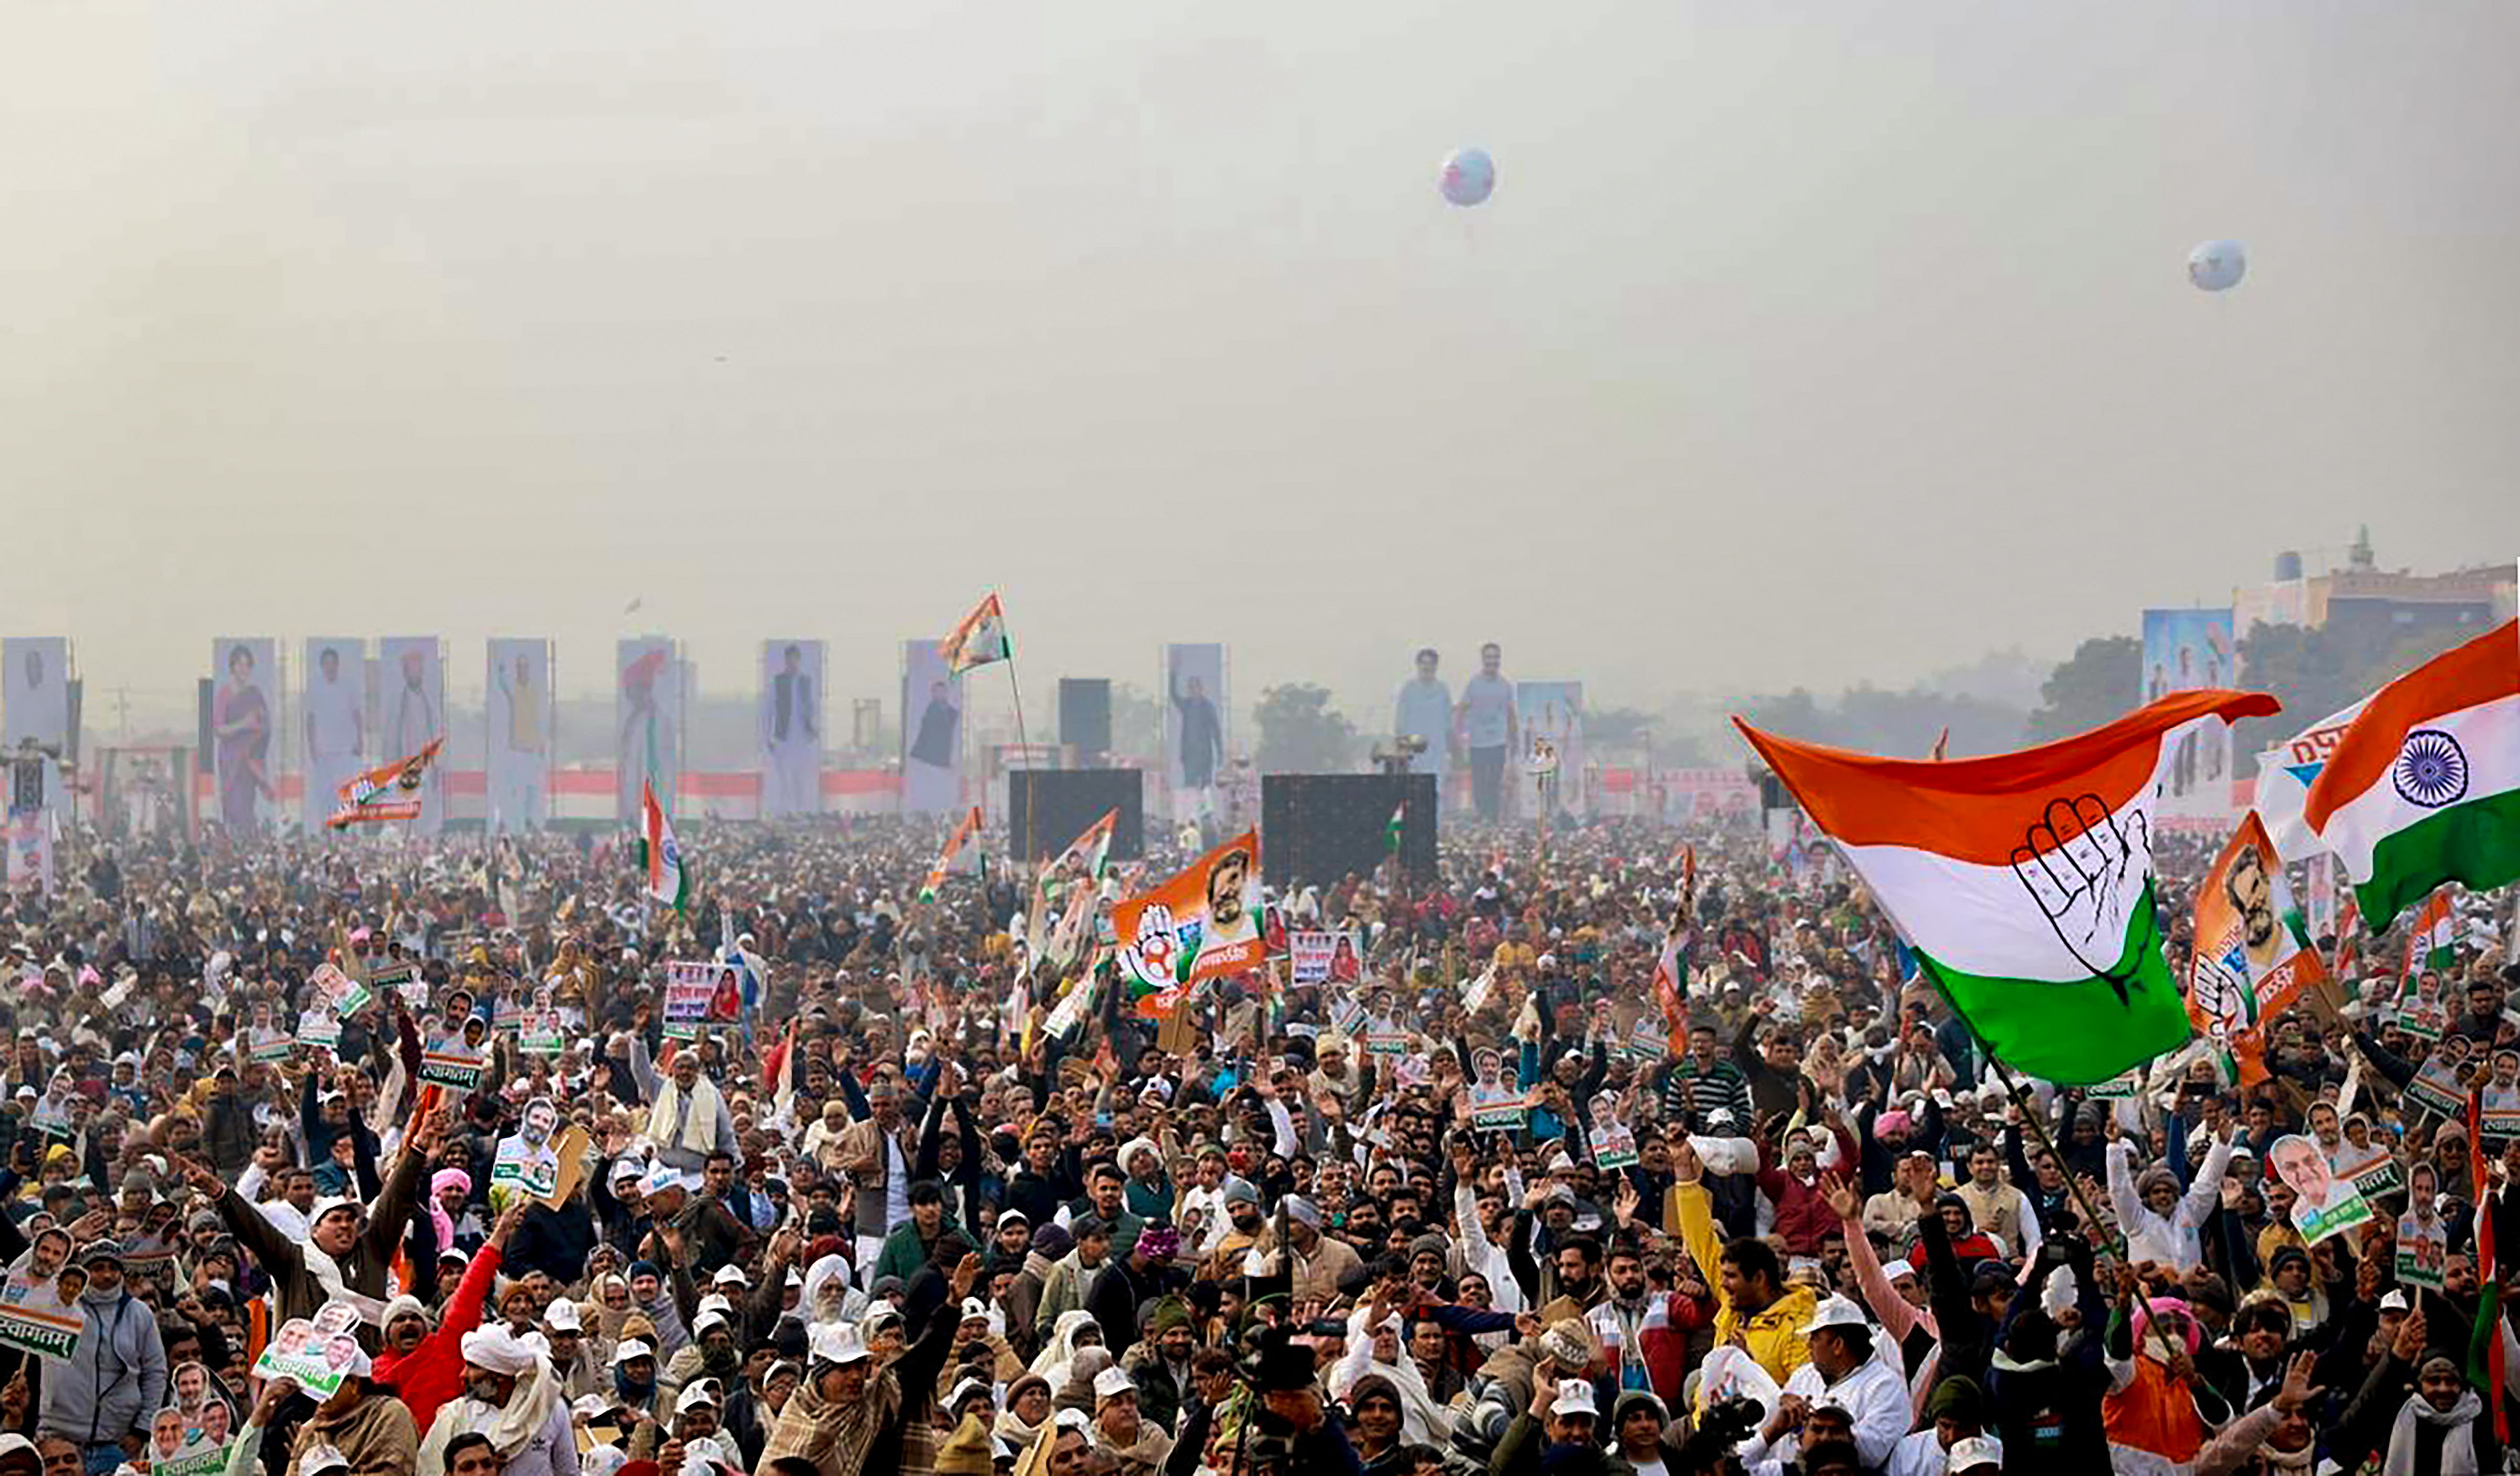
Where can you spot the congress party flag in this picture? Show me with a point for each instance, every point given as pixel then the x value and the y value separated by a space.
pixel 658 853
pixel 2285 774
pixel 2424 787
pixel 1201 925
pixel 980 640
pixel 954 843
pixel 2252 952
pixel 363 797
pixel 2023 881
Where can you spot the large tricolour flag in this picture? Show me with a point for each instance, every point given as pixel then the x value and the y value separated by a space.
pixel 2023 881
pixel 2425 787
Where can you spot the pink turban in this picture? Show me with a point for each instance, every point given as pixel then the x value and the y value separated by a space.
pixel 2164 1307
pixel 438 1219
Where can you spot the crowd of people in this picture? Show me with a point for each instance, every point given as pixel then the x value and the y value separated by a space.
pixel 1488 1208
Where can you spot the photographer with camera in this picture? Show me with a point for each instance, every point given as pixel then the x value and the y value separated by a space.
pixel 1292 1429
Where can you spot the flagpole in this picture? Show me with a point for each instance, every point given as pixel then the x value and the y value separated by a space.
pixel 1023 742
pixel 2027 1108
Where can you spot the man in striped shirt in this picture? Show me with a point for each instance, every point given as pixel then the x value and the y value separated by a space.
pixel 1703 1081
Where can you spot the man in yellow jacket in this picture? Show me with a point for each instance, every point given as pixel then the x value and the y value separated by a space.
pixel 1754 1306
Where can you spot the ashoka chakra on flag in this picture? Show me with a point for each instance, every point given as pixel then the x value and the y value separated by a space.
pixel 2431 770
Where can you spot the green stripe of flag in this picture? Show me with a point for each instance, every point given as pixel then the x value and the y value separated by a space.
pixel 2476 843
pixel 2076 1032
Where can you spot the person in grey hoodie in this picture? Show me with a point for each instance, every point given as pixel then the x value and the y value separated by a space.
pixel 112 1386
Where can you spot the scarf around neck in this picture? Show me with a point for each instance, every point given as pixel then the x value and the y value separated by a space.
pixel 2457 1436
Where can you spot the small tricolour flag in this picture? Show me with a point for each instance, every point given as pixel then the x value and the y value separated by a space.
pixel 2432 942
pixel 969 822
pixel 2424 787
pixel 980 640
pixel 658 854
pixel 2024 881
pixel 1391 830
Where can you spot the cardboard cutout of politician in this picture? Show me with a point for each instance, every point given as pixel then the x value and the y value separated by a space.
pixel 410 715
pixel 1196 715
pixel 931 731
pixel 791 728
pixel 518 749
pixel 333 723
pixel 647 719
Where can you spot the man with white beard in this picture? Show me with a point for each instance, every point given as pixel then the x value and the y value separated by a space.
pixel 512 1398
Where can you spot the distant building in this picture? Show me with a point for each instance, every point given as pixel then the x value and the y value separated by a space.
pixel 2361 596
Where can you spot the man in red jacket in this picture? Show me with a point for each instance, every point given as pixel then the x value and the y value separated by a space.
pixel 1803 1217
pixel 425 1365
pixel 1969 1243
pixel 1644 1337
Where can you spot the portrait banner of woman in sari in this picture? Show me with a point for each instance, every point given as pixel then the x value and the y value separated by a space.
pixel 931 731
pixel 518 747
pixel 245 715
pixel 648 723
pixel 411 714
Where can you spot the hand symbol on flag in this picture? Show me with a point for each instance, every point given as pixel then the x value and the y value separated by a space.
pixel 1149 957
pixel 2085 870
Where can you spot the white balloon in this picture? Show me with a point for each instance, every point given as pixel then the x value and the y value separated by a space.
pixel 1467 176
pixel 2217 266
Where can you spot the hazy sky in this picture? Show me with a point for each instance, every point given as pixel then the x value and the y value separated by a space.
pixel 1800 343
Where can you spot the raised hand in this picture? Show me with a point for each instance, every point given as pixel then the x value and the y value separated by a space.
pixel 1842 1202
pixel 2410 1346
pixel 2296 1391
pixel 1685 1165
pixel 199 1176
pixel 2080 864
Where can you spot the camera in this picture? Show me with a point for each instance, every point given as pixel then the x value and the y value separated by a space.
pixel 1727 1422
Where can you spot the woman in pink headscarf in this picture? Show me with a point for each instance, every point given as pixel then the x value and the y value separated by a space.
pixel 448 1190
pixel 2157 1411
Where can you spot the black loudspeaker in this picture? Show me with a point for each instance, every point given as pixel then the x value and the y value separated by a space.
pixel 1047 808
pixel 1085 715
pixel 1315 829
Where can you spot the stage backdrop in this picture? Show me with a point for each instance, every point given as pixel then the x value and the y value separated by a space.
pixel 791 728
pixel 244 731
pixel 517 747
pixel 332 722
pixel 35 698
pixel 1197 726
pixel 931 731
pixel 411 711
pixel 648 722
pixel 2185 649
pixel 1550 715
